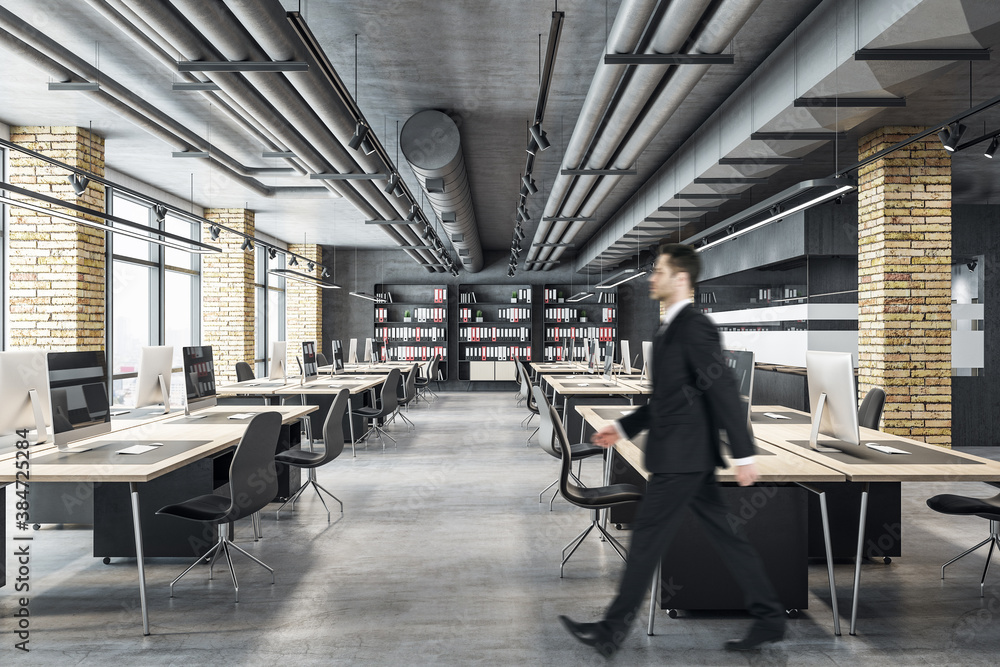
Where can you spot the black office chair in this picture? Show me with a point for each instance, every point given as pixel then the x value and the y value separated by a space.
pixel 321 359
pixel 244 372
pixel 595 498
pixel 333 446
pixel 547 440
pixel 423 383
pixel 870 412
pixel 253 483
pixel 987 508
pixel 383 409
pixel 406 395
pixel 531 403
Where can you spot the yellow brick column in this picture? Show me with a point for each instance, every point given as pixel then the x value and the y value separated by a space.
pixel 304 303
pixel 227 293
pixel 56 295
pixel 904 283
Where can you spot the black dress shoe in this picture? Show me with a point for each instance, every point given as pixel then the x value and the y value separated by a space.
pixel 759 634
pixel 591 634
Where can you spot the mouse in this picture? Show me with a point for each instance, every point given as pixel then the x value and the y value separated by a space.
pixel 156 444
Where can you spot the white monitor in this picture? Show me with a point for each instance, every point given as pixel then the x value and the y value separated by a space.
pixel 153 385
pixel 832 398
pixel 24 393
pixel 337 362
pixel 647 357
pixel 626 356
pixel 276 370
pixel 352 353
pixel 369 353
pixel 79 395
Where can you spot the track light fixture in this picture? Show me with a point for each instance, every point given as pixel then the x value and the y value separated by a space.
pixel 951 135
pixel 311 266
pixel 367 147
pixel 523 192
pixel 79 183
pixel 247 245
pixel 160 212
pixel 538 134
pixel 293 261
pixel 993 147
pixel 413 213
pixel 523 212
pixel 214 232
pixel 325 274
pixel 392 184
pixel 398 190
pixel 529 184
pixel 360 132
pixel 272 253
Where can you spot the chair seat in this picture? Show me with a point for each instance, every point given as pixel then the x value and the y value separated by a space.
pixel 947 503
pixel 422 382
pixel 368 412
pixel 300 458
pixel 582 450
pixel 606 496
pixel 210 507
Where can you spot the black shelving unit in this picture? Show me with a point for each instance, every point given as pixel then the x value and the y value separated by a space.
pixel 595 316
pixel 494 326
pixel 412 322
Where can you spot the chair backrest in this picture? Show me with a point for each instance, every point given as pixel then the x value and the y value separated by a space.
pixel 870 412
pixel 410 386
pixel 253 481
pixel 569 491
pixel 433 375
pixel 244 372
pixel 333 427
pixel 321 359
pixel 546 429
pixel 389 388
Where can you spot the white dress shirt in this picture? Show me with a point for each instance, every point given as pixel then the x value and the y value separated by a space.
pixel 665 321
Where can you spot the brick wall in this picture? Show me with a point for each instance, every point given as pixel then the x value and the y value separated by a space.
pixel 56 298
pixel 227 294
pixel 304 305
pixel 904 283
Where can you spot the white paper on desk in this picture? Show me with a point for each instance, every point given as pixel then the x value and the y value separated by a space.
pixel 137 449
pixel 775 415
pixel 242 415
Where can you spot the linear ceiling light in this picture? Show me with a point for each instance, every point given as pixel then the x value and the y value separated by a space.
pixel 360 132
pixel 303 278
pixel 580 296
pixel 951 135
pixel 620 277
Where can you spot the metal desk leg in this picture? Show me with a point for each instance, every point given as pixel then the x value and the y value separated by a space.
pixel 134 491
pixel 857 561
pixel 350 425
pixel 829 554
pixel 653 590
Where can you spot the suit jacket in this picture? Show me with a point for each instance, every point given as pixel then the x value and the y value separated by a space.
pixel 694 395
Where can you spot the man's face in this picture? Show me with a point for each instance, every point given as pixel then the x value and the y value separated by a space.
pixel 663 281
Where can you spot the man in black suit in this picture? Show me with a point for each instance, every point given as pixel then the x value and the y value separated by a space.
pixel 694 395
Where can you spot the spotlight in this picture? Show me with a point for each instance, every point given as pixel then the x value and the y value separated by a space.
pixel 993 147
pixel 524 191
pixel 519 232
pixel 730 229
pixel 950 136
pixel 325 274
pixel 393 183
pixel 529 184
pixel 972 265
pixel 360 132
pixel 510 272
pixel 272 253
pixel 398 190
pixel 214 231
pixel 538 134
pixel 413 213
pixel 523 212
pixel 775 210
pixel 367 147
pixel 161 213
pixel 79 183
pixel 293 261
pixel 311 266
pixel 247 244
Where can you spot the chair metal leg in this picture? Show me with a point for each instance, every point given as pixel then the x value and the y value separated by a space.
pixel 965 553
pixel 654 588
pixel 578 540
pixel 292 499
pixel 210 556
pixel 530 435
pixel 556 481
pixel 622 552
pixel 989 558
pixel 253 558
pixel 409 423
pixel 320 488
pixel 232 570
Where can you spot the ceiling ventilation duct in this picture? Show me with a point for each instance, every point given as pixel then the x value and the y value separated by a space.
pixel 433 149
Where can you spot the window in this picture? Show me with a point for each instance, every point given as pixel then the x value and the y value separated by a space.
pixel 3 254
pixel 155 297
pixel 269 318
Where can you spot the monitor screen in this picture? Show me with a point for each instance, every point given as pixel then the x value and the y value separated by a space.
pixel 626 358
pixel 153 385
pixel 277 367
pixel 740 362
pixel 338 357
pixel 199 374
pixel 78 393
pixel 832 398
pixel 369 350
pixel 24 392
pixel 309 367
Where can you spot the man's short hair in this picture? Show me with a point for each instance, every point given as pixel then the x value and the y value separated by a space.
pixel 683 259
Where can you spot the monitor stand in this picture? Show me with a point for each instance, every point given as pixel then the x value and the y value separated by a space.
pixel 814 434
pixel 165 393
pixel 36 407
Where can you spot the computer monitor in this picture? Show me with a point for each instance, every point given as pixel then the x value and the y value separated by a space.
pixel 79 395
pixel 276 371
pixel 832 402
pixel 609 362
pixel 741 363
pixel 153 385
pixel 369 351
pixel 199 378
pixel 593 354
pixel 24 393
pixel 378 351
pixel 626 357
pixel 647 357
pixel 310 370
pixel 352 353
pixel 338 357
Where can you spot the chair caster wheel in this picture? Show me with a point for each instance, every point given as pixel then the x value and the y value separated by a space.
pixel 792 613
pixel 887 560
pixel 106 560
pixel 36 526
pixel 618 526
pixel 672 613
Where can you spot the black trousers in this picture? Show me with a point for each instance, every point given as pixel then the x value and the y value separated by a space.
pixel 658 519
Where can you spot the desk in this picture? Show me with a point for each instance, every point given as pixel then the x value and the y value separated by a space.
pixel 331 387
pixel 594 387
pixel 214 437
pixel 774 465
pixel 864 465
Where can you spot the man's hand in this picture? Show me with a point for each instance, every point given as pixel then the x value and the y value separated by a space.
pixel 606 437
pixel 746 475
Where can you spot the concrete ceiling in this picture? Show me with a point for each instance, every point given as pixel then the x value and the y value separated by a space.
pixel 477 61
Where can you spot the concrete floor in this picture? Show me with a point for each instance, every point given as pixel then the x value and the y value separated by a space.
pixel 444 557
